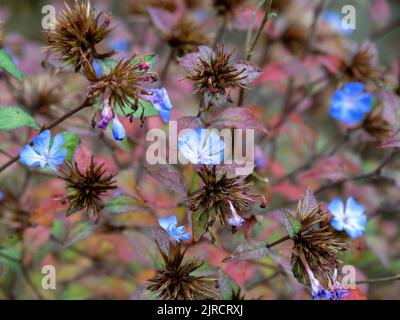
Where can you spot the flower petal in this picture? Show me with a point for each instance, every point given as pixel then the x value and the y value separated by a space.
pixel 29 157
pixel 41 143
pixel 167 222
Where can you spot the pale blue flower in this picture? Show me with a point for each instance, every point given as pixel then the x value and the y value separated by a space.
pixel 201 146
pixel 169 224
pixel 335 288
pixel 334 20
pixel 351 219
pixel 120 44
pixel 351 103
pixel 41 153
pixel 2 196
pixel 118 129
pixel 160 101
pixel 97 68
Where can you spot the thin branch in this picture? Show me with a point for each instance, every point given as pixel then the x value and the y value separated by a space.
pixel 384 279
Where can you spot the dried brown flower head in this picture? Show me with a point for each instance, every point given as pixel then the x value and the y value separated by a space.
pixel 294 38
pixel 37 93
pixel 316 242
pixel 85 189
pixel 227 7
pixel 376 125
pixel 221 198
pixel 13 219
pixel 122 87
pixel 186 36
pixel 363 65
pixel 77 32
pixel 174 280
pixel 213 73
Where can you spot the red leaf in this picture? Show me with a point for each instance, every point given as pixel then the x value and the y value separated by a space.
pixel 355 294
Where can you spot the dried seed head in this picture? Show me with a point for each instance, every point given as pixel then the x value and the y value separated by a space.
pixel 217 72
pixel 227 7
pixel 376 125
pixel 122 86
pixel 13 219
pixel 85 189
pixel 316 242
pixel 77 32
pixel 174 280
pixel 186 36
pixel 363 66
pixel 37 93
pixel 221 197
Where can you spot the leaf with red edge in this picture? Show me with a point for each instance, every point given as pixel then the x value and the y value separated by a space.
pixel 249 70
pixel 163 20
pixel 44 213
pixel 169 176
pixel 240 118
pixel 331 168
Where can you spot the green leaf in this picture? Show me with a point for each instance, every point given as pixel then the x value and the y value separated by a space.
pixel 149 110
pixel 75 291
pixel 200 223
pixel 8 65
pixel 71 141
pixel 79 231
pixel 124 203
pixel 293 226
pixel 106 65
pixel 151 59
pixel 227 286
pixel 14 117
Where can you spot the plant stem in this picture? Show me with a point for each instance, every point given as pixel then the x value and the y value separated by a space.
pixel 220 32
pixel 384 279
pixel 250 49
pixel 285 238
pixel 49 126
pixel 164 72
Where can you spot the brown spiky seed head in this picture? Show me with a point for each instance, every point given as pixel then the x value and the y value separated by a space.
pixel 186 36
pixel 174 280
pixel 122 86
pixel 218 192
pixel 316 242
pixel 85 189
pixel 37 93
pixel 77 32
pixel 217 72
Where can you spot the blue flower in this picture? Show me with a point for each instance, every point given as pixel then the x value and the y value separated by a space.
pixel 335 288
pixel 2 196
pixel 161 102
pixel 97 68
pixel 334 20
pixel 118 129
pixel 351 219
pixel 351 103
pixel 41 153
pixel 201 146
pixel 120 45
pixel 169 224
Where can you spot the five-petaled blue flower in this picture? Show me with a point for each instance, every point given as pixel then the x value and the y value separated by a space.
pixel 169 224
pixel 161 102
pixel 351 103
pixel 42 153
pixel 351 219
pixel 201 146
